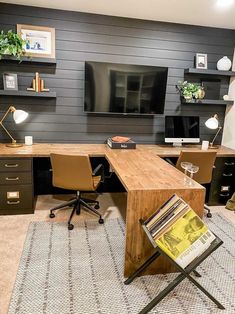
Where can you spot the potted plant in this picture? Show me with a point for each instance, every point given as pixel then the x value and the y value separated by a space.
pixel 190 91
pixel 11 44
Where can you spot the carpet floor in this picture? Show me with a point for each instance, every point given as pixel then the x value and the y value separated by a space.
pixel 81 271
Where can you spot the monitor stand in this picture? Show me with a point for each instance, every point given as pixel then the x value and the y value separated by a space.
pixel 177 144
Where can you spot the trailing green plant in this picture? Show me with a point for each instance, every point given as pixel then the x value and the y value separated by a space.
pixel 190 90
pixel 11 44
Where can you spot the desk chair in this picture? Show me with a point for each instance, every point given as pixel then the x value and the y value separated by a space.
pixel 75 173
pixel 205 160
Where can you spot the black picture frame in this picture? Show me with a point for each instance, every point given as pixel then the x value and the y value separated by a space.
pixel 10 81
pixel 201 61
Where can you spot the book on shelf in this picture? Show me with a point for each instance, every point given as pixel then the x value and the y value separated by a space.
pixel 179 231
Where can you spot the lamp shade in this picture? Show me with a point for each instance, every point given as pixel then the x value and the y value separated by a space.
pixel 19 116
pixel 212 123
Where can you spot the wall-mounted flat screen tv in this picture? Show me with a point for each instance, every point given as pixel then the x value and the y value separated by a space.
pixel 124 88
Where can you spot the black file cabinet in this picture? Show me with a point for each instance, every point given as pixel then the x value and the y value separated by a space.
pixel 16 186
pixel 223 181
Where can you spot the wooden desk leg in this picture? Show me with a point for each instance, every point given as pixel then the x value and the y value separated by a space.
pixel 141 204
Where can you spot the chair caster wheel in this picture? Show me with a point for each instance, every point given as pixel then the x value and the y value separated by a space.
pixel 209 215
pixel 97 206
pixel 52 215
pixel 101 221
pixel 70 227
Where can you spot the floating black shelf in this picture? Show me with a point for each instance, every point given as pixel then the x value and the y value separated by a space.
pixel 209 72
pixel 207 102
pixel 21 93
pixel 24 60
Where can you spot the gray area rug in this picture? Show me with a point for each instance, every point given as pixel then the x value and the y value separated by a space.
pixel 81 271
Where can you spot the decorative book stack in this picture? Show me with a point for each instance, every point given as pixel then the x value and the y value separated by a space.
pixel 38 85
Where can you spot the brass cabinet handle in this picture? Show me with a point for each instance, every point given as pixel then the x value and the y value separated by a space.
pixel 13 202
pixel 11 165
pixel 12 179
pixel 229 163
pixel 227 175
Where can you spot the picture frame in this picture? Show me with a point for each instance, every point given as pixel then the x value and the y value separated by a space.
pixel 40 40
pixel 201 61
pixel 10 81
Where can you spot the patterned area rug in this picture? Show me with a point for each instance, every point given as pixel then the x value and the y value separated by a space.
pixel 81 271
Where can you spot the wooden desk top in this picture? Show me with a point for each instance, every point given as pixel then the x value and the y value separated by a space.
pixel 139 169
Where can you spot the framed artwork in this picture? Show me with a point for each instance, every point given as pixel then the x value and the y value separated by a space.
pixel 10 81
pixel 40 40
pixel 201 61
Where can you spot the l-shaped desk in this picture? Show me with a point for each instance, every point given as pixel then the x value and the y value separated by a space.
pixel 148 179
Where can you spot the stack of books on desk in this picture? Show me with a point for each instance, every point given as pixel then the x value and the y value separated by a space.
pixel 179 231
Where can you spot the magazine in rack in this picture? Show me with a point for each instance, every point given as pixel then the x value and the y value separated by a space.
pixel 179 231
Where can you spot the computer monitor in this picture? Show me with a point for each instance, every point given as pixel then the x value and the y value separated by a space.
pixel 182 129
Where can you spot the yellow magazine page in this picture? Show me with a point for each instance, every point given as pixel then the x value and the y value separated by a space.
pixel 186 239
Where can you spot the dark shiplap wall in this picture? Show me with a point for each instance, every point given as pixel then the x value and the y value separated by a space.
pixel 81 37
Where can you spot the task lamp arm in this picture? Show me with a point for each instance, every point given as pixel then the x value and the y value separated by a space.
pixel 217 133
pixel 18 116
pixel 10 109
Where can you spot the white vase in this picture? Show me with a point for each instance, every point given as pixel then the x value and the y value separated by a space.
pixel 224 64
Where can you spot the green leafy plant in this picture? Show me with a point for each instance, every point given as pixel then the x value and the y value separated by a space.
pixel 11 44
pixel 190 90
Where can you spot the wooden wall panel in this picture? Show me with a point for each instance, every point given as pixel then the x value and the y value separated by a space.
pixel 81 37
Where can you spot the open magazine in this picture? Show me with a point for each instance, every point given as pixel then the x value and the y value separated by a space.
pixel 179 231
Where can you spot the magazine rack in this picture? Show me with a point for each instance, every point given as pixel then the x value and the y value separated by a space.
pixel 184 272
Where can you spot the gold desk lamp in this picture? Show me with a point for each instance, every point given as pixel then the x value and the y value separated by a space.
pixel 18 116
pixel 213 124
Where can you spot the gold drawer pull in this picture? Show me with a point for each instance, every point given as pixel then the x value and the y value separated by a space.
pixel 11 165
pixel 12 179
pixel 227 174
pixel 13 202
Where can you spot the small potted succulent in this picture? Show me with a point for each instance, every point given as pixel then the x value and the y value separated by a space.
pixel 190 91
pixel 11 44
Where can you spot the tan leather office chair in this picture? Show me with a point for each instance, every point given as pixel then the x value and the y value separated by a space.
pixel 205 160
pixel 75 173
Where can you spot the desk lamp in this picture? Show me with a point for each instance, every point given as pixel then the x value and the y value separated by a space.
pixel 213 124
pixel 18 116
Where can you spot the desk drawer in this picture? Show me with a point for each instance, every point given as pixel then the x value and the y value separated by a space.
pixel 13 164
pixel 16 199
pixel 15 178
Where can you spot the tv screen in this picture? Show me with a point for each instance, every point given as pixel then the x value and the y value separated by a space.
pixel 183 129
pixel 124 88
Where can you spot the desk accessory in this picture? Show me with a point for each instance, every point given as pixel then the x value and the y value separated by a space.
pixel 119 142
pixel 38 85
pixel 18 116
pixel 28 140
pixel 205 145
pixel 213 124
pixel 178 234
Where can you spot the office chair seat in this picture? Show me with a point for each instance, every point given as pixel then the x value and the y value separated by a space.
pixel 75 173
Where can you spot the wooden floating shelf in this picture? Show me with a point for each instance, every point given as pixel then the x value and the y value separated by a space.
pixel 20 93
pixel 24 60
pixel 209 72
pixel 207 102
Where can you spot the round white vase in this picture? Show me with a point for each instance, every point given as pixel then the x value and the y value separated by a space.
pixel 224 64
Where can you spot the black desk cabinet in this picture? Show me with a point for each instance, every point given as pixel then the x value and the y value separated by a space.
pixel 223 181
pixel 16 186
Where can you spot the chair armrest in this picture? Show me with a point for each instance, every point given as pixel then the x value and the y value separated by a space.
pixel 99 170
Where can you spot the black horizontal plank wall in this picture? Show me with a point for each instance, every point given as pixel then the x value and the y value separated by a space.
pixel 81 37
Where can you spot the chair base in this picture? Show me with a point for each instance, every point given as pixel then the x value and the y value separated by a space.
pixel 209 214
pixel 76 203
